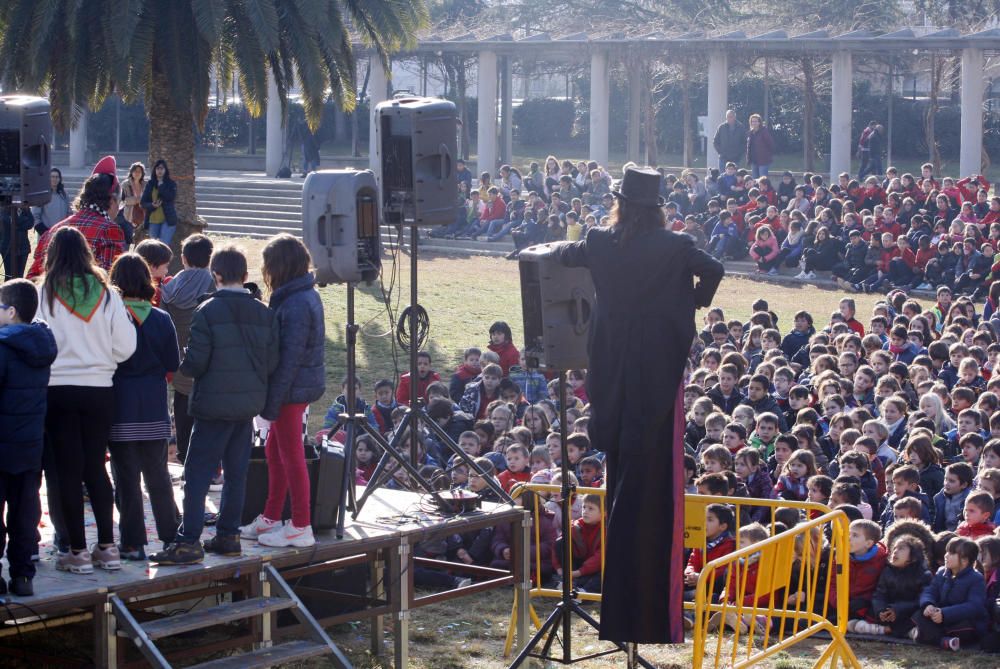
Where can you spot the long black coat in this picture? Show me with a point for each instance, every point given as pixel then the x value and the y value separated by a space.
pixel 639 339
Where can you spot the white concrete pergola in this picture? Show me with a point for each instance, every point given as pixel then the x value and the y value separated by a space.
pixel 496 53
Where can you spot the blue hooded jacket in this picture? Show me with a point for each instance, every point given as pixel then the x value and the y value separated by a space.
pixel 26 354
pixel 301 374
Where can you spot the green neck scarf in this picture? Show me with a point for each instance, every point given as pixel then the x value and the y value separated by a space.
pixel 140 309
pixel 82 296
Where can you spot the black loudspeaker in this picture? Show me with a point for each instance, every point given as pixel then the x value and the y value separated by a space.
pixel 256 488
pixel 340 225
pixel 416 140
pixel 329 484
pixel 25 162
pixel 557 304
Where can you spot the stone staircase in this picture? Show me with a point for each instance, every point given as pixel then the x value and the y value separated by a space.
pixel 251 206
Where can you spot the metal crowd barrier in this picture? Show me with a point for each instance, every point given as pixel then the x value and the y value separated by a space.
pixel 814 555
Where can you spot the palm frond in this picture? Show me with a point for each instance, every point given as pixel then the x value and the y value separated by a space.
pixel 250 60
pixel 123 17
pixel 263 17
pixel 209 16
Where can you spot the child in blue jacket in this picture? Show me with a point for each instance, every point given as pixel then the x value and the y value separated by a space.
pixel 953 607
pixel 27 351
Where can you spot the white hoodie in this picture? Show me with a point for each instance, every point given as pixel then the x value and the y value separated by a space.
pixel 89 352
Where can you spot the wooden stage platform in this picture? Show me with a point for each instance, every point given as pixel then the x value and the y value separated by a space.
pixel 380 540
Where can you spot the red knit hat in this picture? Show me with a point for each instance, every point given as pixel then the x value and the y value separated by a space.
pixel 108 165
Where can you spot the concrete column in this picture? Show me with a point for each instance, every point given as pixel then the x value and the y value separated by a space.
pixel 506 111
pixel 718 99
pixel 840 114
pixel 970 159
pixel 600 103
pixel 274 138
pixel 486 134
pixel 78 142
pixel 634 112
pixel 378 91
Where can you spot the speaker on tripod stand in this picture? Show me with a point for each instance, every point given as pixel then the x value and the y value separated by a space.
pixel 416 141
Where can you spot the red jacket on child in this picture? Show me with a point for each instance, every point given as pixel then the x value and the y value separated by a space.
pixel 509 355
pixel 586 545
pixel 864 575
pixel 508 478
pixel 976 531
pixel 696 562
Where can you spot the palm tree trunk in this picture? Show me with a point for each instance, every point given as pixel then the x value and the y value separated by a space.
pixel 171 137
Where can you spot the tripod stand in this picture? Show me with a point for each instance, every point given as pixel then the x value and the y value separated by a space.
pixel 410 423
pixel 9 255
pixel 568 606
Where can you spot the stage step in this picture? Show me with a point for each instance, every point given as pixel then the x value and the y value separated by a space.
pixel 216 615
pixel 145 635
pixel 268 657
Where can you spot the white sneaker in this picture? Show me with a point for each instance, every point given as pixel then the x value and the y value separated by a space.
pixel 801 275
pixel 865 627
pixel 810 275
pixel 259 526
pixel 772 272
pixel 288 535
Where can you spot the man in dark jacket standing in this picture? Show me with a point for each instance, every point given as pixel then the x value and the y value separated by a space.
pixel 27 351
pixel 231 352
pixel 730 141
pixel 640 336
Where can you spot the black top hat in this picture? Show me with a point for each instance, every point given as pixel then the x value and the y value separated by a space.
pixel 641 186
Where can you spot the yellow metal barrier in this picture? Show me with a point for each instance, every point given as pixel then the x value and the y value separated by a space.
pixel 775 618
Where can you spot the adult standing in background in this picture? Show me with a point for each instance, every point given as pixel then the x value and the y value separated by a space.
pixel 57 208
pixel 158 200
pixel 760 147
pixel 875 144
pixel 96 208
pixel 730 141
pixel 132 209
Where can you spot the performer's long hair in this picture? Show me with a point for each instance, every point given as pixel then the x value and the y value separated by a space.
pixel 633 219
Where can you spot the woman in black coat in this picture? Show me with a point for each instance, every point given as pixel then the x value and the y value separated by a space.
pixel 158 200
pixel 638 352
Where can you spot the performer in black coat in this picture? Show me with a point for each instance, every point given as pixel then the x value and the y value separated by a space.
pixel 640 336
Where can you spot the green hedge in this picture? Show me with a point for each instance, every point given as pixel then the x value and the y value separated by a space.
pixel 544 121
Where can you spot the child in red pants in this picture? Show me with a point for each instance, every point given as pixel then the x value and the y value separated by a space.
pixel 298 380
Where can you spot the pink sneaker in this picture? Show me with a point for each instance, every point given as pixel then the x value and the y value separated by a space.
pixel 289 535
pixel 75 563
pixel 108 559
pixel 259 526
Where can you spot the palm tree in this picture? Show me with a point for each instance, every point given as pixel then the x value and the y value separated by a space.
pixel 163 52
